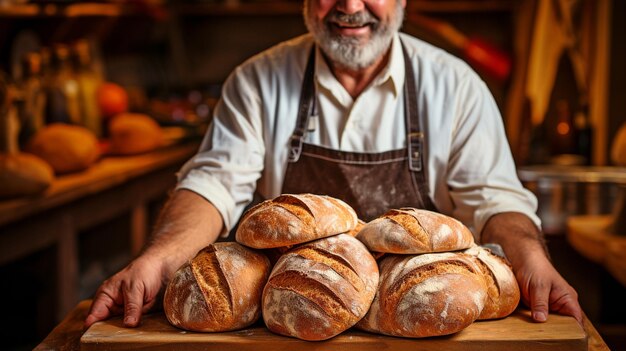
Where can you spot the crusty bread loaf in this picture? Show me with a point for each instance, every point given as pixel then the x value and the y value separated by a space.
pixel 294 219
pixel 23 174
pixel 67 148
pixel 502 290
pixel 134 133
pixel 414 231
pixel 275 253
pixel 426 295
pixel 359 225
pixel 319 289
pixel 218 290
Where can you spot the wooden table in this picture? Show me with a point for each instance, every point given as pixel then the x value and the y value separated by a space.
pixel 66 336
pixel 79 201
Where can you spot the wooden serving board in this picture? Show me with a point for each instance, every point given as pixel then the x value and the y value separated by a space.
pixel 516 332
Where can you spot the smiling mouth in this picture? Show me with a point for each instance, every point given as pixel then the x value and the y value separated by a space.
pixel 342 26
pixel 351 25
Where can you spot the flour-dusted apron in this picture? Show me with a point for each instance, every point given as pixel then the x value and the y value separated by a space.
pixel 371 183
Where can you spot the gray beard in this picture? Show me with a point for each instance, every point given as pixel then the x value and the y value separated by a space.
pixel 349 52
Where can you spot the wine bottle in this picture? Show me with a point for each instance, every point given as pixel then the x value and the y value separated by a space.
pixel 583 133
pixel 32 109
pixel 88 81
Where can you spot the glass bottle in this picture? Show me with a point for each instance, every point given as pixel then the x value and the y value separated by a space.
pixel 63 94
pixel 89 80
pixel 46 78
pixel 32 108
pixel 583 133
pixel 9 122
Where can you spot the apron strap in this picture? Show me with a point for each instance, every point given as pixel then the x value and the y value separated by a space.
pixel 307 103
pixel 415 136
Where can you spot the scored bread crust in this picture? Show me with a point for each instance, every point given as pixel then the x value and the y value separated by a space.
pixel 294 219
pixel 415 231
pixel 218 290
pixel 319 289
pixel 274 253
pixel 425 295
pixel 503 292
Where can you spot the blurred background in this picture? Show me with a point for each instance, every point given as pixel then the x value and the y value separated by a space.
pixel 101 103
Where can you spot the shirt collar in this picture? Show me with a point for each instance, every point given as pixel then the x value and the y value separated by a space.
pixel 395 68
pixel 393 72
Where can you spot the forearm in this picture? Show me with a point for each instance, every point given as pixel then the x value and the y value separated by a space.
pixel 517 234
pixel 187 223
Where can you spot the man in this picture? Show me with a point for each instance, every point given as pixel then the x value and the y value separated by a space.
pixel 357 111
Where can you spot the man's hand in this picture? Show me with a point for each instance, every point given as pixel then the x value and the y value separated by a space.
pixel 542 287
pixel 132 291
pixel 187 224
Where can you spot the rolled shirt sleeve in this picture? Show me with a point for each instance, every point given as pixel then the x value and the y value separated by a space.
pixel 482 178
pixel 231 157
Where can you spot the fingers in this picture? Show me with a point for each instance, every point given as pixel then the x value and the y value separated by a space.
pixel 566 303
pixel 133 303
pixel 103 307
pixel 132 291
pixel 539 300
pixel 544 290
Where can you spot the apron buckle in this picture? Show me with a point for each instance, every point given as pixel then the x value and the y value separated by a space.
pixel 416 142
pixel 295 148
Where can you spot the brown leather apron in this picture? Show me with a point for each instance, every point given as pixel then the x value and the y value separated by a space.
pixel 371 183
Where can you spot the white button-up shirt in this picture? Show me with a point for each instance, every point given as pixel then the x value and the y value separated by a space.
pixel 470 171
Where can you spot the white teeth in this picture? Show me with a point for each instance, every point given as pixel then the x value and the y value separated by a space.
pixel 348 25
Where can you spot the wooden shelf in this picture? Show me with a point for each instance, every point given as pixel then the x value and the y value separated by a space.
pixel 57 10
pixel 125 9
pixel 19 10
pixel 236 8
pixel 105 174
pixel 239 9
pixel 461 6
pixel 295 7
